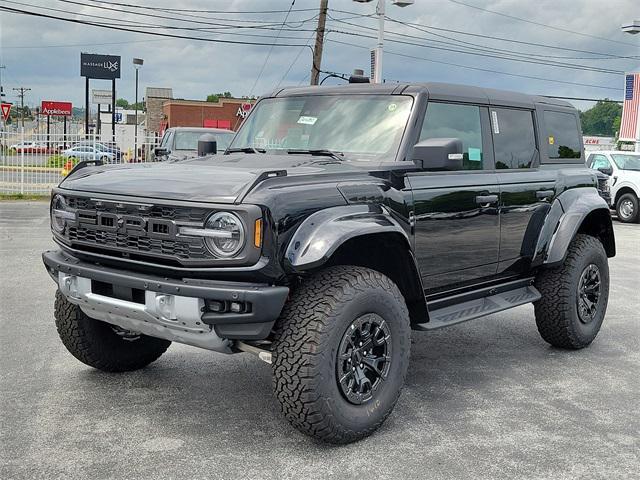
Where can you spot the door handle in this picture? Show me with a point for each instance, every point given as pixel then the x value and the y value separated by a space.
pixel 485 201
pixel 543 195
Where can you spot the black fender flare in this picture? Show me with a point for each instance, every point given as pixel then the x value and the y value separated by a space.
pixel 566 217
pixel 323 232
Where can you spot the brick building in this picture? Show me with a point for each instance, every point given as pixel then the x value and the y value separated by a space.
pixel 154 98
pixel 225 113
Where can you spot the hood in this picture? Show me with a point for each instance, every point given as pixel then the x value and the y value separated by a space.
pixel 219 178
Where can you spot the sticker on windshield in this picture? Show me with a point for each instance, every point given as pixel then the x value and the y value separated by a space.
pixel 392 107
pixel 551 140
pixel 308 120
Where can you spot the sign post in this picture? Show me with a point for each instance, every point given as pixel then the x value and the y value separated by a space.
pixel 6 110
pixel 105 67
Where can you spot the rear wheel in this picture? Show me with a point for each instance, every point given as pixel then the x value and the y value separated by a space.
pixel 627 208
pixel 102 345
pixel 341 353
pixel 574 295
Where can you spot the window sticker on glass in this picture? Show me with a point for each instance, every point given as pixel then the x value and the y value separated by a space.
pixel 475 154
pixel 551 140
pixel 392 107
pixel 307 120
pixel 494 121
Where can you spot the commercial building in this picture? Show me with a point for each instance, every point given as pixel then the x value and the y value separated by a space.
pixel 225 113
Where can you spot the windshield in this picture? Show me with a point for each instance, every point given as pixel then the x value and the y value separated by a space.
pixel 188 140
pixel 365 127
pixel 627 161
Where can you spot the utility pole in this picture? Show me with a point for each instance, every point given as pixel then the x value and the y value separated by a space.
pixel 317 50
pixel 21 95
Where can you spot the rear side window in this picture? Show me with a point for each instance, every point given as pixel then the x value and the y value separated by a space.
pixel 448 120
pixel 514 140
pixel 563 138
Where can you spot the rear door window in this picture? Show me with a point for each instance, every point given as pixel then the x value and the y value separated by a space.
pixel 563 138
pixel 449 120
pixel 514 139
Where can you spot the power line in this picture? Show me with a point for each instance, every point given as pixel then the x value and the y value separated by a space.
pixel 498 72
pixel 158 34
pixel 566 30
pixel 498 56
pixel 427 29
pixel 271 49
pixel 167 9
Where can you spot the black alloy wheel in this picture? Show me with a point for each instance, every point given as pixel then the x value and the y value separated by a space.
pixel 364 358
pixel 588 293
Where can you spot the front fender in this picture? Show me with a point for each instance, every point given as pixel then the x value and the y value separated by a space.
pixel 320 235
pixel 579 205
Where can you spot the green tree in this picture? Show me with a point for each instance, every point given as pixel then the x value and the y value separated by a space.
pixel 602 119
pixel 122 103
pixel 215 97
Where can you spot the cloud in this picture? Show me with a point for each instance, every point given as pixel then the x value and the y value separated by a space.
pixel 194 69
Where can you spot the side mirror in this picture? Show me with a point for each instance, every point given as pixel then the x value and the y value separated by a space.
pixel 606 170
pixel 439 154
pixel 160 152
pixel 207 145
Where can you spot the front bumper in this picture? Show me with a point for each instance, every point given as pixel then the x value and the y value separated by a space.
pixel 177 310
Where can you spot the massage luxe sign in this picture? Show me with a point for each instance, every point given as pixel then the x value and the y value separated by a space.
pixel 56 108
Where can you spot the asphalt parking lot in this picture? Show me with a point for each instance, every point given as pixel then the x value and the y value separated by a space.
pixel 486 399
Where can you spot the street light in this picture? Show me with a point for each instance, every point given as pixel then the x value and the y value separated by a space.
pixel 376 53
pixel 633 28
pixel 137 63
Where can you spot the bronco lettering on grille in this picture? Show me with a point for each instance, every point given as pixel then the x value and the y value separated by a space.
pixel 127 224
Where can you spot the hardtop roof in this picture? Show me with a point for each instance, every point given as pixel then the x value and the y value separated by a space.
pixel 436 91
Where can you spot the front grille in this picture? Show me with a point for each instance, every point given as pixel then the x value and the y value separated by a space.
pixel 157 240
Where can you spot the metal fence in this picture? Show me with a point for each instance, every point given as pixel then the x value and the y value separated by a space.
pixel 34 163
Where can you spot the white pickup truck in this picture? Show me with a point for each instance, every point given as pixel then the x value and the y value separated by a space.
pixel 624 171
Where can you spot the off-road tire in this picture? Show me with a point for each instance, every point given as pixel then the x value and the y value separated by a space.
pixel 635 215
pixel 557 312
pixel 307 337
pixel 96 344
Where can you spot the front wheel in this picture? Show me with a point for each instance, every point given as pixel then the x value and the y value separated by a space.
pixel 341 352
pixel 627 208
pixel 574 295
pixel 102 345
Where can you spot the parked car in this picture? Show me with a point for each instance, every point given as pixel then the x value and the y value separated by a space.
pixel 623 169
pixel 179 143
pixel 108 147
pixel 338 220
pixel 30 147
pixel 88 152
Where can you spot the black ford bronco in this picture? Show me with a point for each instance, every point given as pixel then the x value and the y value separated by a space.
pixel 338 220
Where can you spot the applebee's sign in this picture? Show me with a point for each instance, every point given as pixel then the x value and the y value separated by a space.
pixel 243 110
pixel 56 108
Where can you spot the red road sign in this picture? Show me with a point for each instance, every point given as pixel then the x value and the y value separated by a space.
pixel 6 108
pixel 56 108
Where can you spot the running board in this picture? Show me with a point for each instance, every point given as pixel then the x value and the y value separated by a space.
pixel 479 307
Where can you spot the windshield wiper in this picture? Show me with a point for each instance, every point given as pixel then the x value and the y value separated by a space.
pixel 246 150
pixel 320 152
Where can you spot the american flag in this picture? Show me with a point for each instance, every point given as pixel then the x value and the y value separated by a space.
pixel 629 124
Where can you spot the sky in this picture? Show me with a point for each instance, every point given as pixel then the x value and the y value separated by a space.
pixel 44 54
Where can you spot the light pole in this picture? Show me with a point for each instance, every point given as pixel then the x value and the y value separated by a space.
pixel 376 53
pixel 137 63
pixel 633 28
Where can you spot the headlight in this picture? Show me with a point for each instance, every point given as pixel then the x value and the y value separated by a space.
pixel 228 238
pixel 60 214
pixel 223 233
